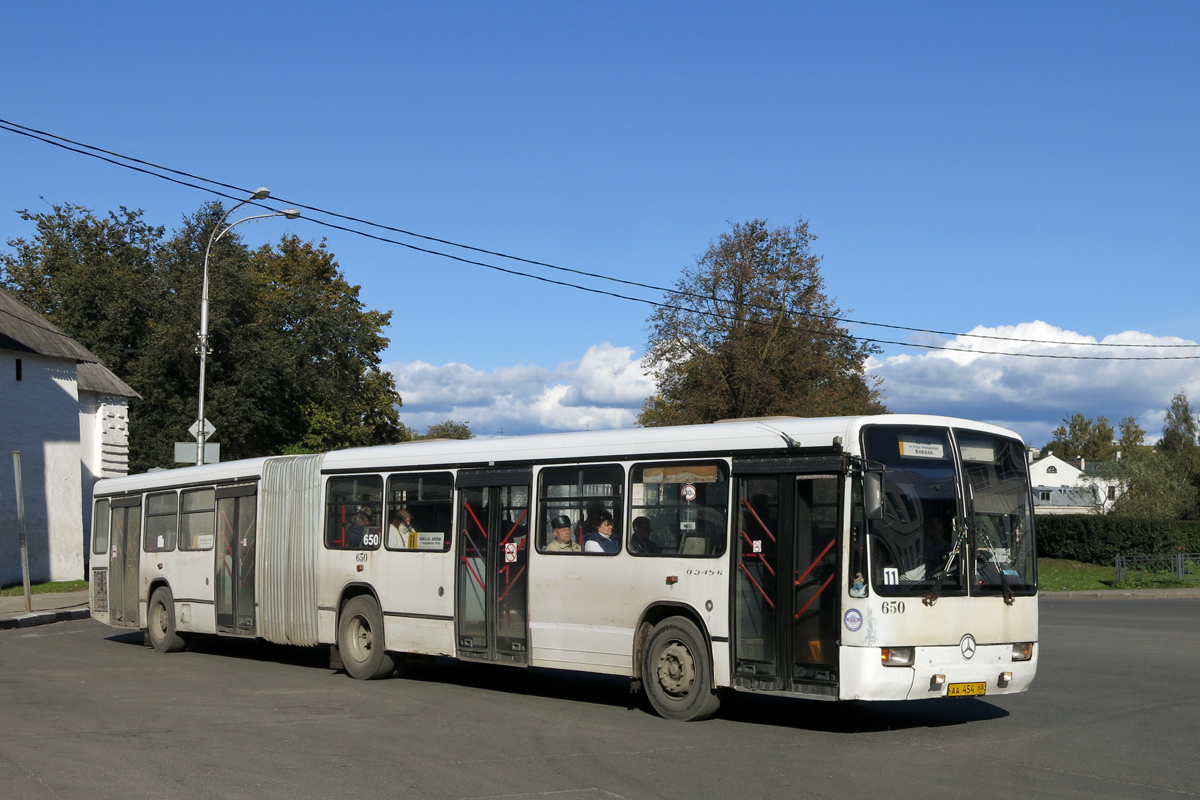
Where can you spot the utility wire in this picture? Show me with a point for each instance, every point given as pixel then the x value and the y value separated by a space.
pixel 48 138
pixel 498 254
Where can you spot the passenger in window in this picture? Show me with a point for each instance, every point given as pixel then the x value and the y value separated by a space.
pixel 400 530
pixel 592 520
pixel 561 532
pixel 640 541
pixel 602 540
pixel 364 524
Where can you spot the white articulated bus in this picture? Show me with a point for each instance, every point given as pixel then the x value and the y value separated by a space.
pixel 854 558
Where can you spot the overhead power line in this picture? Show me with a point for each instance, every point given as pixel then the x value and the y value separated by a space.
pixel 74 146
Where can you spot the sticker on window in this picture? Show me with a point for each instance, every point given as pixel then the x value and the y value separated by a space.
pixel 921 447
pixel 682 473
pixel 431 540
pixel 977 450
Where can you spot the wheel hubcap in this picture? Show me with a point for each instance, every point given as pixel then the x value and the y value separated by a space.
pixel 676 669
pixel 360 639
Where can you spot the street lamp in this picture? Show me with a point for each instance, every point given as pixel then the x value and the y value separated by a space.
pixel 217 232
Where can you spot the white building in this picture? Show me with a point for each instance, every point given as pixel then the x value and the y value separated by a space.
pixel 1063 487
pixel 68 417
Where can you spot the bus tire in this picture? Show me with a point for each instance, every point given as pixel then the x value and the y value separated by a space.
pixel 360 640
pixel 677 672
pixel 160 622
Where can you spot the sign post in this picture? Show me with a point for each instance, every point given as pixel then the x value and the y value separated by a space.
pixel 201 429
pixel 21 529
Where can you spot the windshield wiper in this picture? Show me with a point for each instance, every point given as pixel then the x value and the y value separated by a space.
pixel 1005 589
pixel 940 577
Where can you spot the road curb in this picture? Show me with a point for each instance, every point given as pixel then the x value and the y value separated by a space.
pixel 44 618
pixel 1131 594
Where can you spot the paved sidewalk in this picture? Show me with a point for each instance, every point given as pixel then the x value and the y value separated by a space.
pixel 47 608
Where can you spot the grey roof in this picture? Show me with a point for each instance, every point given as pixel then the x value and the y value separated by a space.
pixel 1065 496
pixel 22 328
pixel 95 377
pixel 25 330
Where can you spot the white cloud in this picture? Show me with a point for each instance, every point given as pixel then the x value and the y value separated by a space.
pixel 606 386
pixel 1032 395
pixel 603 389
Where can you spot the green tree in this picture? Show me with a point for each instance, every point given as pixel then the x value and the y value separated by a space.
pixel 294 362
pixel 1132 442
pixel 748 332
pixel 94 277
pixel 1178 445
pixel 448 429
pixel 1081 436
pixel 1179 427
pixel 1150 486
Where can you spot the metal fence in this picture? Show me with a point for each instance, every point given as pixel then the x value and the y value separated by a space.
pixel 1172 566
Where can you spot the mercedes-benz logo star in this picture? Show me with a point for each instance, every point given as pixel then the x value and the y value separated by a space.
pixel 967 646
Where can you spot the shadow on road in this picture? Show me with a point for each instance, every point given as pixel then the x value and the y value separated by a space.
pixel 857 716
pixel 755 709
pixel 613 691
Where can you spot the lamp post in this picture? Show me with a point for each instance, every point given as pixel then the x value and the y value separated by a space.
pixel 219 230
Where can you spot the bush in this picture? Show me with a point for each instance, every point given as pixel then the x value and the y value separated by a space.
pixel 1099 539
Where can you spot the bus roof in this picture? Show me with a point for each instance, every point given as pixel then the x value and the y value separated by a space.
pixel 766 434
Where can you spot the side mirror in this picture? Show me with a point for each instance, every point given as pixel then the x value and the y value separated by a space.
pixel 873 495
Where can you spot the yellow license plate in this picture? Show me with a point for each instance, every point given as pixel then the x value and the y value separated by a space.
pixel 965 689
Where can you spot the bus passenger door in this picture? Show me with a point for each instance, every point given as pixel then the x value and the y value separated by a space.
pixel 125 549
pixel 786 593
pixel 237 518
pixel 493 559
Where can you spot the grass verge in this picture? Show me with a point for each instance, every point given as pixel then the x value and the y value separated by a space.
pixel 49 587
pixel 1063 575
pixel 1060 575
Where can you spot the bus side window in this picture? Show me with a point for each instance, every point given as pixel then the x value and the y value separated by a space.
pixel 354 508
pixel 100 527
pixel 683 506
pixel 198 520
pixel 162 522
pixel 419 510
pixel 590 498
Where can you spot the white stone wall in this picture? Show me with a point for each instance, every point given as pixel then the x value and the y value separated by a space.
pixel 39 415
pixel 103 446
pixel 1053 471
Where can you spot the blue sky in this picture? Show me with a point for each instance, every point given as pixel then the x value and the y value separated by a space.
pixel 1018 169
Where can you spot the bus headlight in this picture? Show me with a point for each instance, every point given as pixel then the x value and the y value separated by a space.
pixel 1022 651
pixel 897 656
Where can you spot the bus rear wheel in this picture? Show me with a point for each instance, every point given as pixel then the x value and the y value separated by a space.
pixel 677 672
pixel 360 640
pixel 160 622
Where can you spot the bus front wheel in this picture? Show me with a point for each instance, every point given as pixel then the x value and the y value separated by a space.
pixel 160 622
pixel 360 640
pixel 677 672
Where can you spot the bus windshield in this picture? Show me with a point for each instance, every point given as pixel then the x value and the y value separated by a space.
pixel 913 547
pixel 1001 539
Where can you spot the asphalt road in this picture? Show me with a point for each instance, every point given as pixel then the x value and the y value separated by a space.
pixel 89 713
